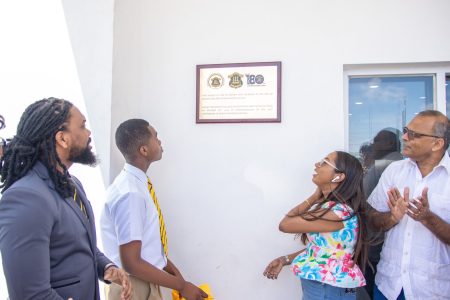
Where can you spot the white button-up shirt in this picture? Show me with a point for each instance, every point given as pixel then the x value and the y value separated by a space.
pixel 413 258
pixel 129 215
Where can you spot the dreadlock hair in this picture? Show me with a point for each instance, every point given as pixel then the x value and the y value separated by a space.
pixel 349 192
pixel 35 140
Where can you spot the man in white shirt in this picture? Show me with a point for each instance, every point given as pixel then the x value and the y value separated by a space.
pixel 415 260
pixel 133 229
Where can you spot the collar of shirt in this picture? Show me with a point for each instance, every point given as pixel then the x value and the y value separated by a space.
pixel 138 173
pixel 444 163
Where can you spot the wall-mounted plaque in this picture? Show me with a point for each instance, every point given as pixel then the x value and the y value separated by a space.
pixel 235 93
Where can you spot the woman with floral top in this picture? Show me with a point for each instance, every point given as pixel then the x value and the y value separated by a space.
pixel 331 223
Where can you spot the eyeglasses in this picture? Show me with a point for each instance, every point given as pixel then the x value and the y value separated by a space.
pixel 413 135
pixel 325 161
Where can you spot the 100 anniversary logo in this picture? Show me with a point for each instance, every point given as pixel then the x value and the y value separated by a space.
pixel 254 79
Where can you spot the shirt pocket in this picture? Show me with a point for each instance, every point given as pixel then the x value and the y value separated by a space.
pixel 440 205
pixel 430 279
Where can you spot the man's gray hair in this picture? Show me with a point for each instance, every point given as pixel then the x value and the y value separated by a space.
pixel 441 126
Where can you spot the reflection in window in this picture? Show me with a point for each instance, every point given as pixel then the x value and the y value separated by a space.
pixel 385 102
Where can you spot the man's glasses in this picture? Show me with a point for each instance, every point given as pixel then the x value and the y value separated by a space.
pixel 413 135
pixel 325 161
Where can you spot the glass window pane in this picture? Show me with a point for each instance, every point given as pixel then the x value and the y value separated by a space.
pixel 377 103
pixel 447 93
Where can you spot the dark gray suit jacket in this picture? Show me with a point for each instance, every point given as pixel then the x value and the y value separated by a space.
pixel 48 246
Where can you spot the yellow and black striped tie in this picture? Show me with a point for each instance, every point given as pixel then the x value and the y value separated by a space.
pixel 162 227
pixel 80 204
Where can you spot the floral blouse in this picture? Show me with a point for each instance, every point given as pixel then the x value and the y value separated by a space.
pixel 328 255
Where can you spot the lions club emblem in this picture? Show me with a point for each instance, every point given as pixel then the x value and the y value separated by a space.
pixel 215 81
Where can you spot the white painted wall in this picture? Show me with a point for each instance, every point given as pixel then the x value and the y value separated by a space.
pixel 90 26
pixel 223 188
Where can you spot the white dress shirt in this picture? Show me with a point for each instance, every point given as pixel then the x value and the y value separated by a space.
pixel 413 258
pixel 129 215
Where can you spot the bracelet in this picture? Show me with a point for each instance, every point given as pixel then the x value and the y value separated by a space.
pixel 286 260
pixel 307 201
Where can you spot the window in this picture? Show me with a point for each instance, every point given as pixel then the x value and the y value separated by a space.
pixel 385 102
pixel 388 96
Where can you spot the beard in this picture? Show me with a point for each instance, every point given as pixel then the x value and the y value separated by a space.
pixel 83 156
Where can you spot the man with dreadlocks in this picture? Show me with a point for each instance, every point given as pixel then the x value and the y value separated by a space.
pixel 47 228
